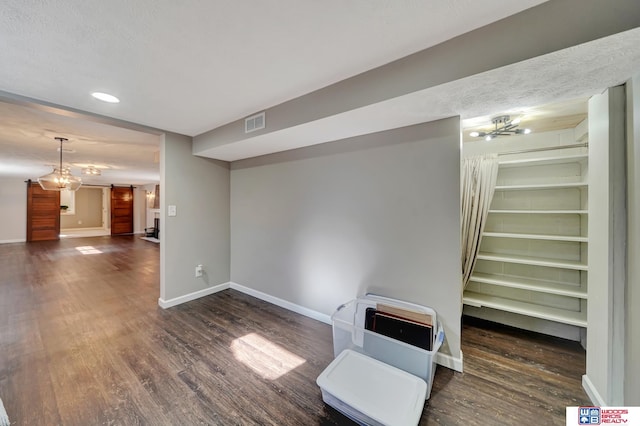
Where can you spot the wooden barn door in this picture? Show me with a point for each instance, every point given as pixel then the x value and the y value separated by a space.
pixel 121 210
pixel 43 213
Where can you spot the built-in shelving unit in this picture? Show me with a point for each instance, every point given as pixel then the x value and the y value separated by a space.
pixel 551 287
pixel 540 186
pixel 536 236
pixel 533 256
pixel 538 211
pixel 533 261
pixel 529 309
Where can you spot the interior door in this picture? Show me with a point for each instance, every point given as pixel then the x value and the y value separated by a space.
pixel 121 210
pixel 43 213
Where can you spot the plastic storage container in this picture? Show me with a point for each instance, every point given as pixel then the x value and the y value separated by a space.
pixel 371 392
pixel 349 333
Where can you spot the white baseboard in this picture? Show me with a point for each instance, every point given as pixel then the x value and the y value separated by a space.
pixel 450 361
pixel 89 228
pixel 592 392
pixel 18 240
pixel 283 303
pixel 164 304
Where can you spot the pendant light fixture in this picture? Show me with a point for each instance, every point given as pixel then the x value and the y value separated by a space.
pixel 91 171
pixel 60 178
pixel 504 126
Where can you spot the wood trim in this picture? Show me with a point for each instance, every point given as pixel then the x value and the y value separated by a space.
pixel 29 211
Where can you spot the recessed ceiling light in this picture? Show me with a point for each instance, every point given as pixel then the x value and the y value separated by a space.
pixel 105 97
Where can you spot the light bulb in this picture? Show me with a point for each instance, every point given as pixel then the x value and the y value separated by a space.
pixel 474 134
pixel 105 97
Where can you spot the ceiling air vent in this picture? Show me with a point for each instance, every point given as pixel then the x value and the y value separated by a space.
pixel 253 123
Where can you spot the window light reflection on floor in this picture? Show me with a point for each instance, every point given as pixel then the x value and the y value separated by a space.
pixel 264 357
pixel 88 250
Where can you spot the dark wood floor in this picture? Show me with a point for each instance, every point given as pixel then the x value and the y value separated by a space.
pixel 83 342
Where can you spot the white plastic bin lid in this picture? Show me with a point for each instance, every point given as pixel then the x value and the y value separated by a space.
pixel 382 392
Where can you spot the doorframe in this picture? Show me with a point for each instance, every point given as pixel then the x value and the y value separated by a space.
pixel 106 209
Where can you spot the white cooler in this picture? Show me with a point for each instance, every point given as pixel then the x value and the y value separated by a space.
pixel 355 384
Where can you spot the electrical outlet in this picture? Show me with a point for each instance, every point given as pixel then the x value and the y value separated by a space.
pixel 199 270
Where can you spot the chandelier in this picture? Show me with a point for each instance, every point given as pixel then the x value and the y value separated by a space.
pixel 91 171
pixel 60 178
pixel 504 126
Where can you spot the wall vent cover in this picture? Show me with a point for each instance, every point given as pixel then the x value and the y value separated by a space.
pixel 253 123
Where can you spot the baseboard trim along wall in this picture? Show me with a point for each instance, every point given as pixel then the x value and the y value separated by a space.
pixel 592 392
pixel 444 360
pixel 164 304
pixel 283 303
pixel 19 240
pixel 450 361
pixel 90 228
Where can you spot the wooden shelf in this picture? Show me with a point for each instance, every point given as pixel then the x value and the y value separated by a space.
pixel 523 162
pixel 534 261
pixel 523 308
pixel 577 239
pixel 534 186
pixel 582 212
pixel 521 283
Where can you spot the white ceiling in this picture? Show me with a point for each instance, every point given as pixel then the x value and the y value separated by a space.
pixel 29 149
pixel 540 89
pixel 191 67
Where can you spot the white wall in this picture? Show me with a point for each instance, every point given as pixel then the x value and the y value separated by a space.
pixel 13 210
pixel 607 231
pixel 379 213
pixel 106 207
pixel 199 233
pixel 632 341
pixel 139 209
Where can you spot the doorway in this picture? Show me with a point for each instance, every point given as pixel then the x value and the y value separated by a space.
pixel 86 212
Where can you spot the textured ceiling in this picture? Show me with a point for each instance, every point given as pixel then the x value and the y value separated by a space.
pixel 575 73
pixel 29 149
pixel 191 66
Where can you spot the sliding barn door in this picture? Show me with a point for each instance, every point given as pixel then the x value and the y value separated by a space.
pixel 121 210
pixel 43 213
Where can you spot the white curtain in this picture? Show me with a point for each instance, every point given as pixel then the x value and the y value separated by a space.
pixel 478 184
